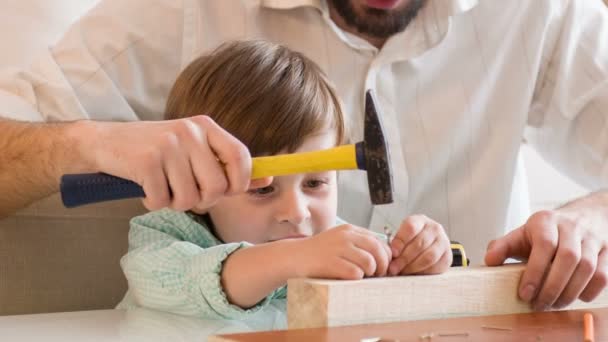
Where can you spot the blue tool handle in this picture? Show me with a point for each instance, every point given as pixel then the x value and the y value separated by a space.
pixel 86 188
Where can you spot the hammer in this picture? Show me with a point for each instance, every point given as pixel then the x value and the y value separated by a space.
pixel 371 155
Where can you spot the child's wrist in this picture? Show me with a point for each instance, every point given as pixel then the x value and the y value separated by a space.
pixel 293 257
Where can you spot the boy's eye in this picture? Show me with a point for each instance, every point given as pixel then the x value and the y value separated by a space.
pixel 315 183
pixel 261 191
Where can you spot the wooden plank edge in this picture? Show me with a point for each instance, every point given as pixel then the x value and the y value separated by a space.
pixel 475 291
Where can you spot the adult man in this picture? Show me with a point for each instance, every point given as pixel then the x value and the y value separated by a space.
pixel 460 82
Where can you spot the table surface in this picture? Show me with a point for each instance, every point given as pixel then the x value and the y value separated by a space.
pixel 131 325
pixel 542 326
pixel 149 325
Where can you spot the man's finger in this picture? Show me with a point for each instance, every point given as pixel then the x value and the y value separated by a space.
pixel 155 184
pixel 231 152
pixel 184 188
pixel 582 275
pixel 544 243
pixel 513 245
pixel 562 268
pixel 210 175
pixel 599 280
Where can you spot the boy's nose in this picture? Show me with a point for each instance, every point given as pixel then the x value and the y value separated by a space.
pixel 293 208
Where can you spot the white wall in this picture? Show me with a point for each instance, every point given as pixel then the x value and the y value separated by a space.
pixel 27 26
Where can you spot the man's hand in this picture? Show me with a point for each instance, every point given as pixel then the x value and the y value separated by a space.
pixel 181 164
pixel 420 246
pixel 345 252
pixel 566 250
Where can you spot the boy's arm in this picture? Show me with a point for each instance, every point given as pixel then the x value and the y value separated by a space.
pixel 167 269
pixel 246 277
pixel 250 274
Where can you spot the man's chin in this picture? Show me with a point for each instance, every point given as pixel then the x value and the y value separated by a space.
pixel 377 18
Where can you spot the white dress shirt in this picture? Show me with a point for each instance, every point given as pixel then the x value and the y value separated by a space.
pixel 459 89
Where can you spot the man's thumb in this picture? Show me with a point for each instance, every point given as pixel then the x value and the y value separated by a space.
pixel 497 252
pixel 513 245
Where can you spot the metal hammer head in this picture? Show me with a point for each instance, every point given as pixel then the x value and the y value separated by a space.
pixel 377 159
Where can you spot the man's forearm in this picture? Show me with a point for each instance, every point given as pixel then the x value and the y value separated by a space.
pixel 33 156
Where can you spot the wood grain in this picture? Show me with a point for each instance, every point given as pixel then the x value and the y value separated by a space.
pixel 460 292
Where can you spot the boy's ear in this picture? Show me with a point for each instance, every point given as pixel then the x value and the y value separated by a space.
pixel 260 182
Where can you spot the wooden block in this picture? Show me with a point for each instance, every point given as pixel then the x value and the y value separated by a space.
pixel 472 291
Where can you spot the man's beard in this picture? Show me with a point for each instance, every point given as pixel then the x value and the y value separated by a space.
pixel 376 22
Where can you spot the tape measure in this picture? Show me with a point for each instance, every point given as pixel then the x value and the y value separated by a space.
pixel 459 257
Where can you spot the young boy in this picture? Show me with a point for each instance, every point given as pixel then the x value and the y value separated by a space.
pixel 235 258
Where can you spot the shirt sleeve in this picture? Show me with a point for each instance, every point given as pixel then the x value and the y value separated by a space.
pixel 568 122
pixel 116 63
pixel 168 268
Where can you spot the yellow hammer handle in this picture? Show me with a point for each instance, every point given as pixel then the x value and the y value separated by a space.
pixel 338 158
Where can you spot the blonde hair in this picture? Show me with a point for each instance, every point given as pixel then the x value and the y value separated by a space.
pixel 269 97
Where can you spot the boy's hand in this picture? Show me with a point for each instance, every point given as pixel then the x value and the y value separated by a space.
pixel 421 246
pixel 345 252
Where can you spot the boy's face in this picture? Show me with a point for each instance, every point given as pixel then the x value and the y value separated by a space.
pixel 292 206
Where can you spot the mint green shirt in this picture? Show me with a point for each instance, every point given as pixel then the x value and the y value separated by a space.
pixel 174 264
